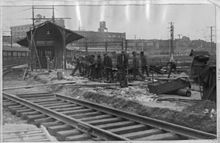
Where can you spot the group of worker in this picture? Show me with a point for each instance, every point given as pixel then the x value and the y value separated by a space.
pixel 94 67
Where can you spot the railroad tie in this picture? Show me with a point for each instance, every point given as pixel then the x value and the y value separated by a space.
pixel 38 122
pixel 56 128
pixel 128 129
pixel 81 137
pixel 116 125
pixel 141 134
pixel 61 135
pixel 162 136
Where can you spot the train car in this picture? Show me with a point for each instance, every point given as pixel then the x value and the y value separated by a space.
pixel 15 55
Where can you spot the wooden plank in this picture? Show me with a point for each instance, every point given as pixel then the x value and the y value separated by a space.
pixel 32 86
pixel 67 133
pixel 128 129
pixel 104 121
pixel 71 108
pixel 57 128
pixel 51 123
pixel 117 124
pixel 58 106
pixel 44 100
pixel 164 136
pixel 77 111
pixel 95 113
pixel 73 83
pixel 100 117
pixel 81 137
pixel 141 134
pixel 49 103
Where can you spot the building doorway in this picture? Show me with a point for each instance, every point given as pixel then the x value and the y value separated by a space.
pixel 45 52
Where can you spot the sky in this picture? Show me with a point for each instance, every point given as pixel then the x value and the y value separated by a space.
pixel 137 21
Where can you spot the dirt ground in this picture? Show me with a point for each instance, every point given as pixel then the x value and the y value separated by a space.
pixel 14 79
pixel 187 111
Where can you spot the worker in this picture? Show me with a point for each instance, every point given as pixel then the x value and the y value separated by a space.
pixel 107 63
pixel 92 67
pixel 77 66
pixel 48 63
pixel 87 63
pixel 83 66
pixel 171 66
pixel 135 67
pixel 122 66
pixel 98 67
pixel 144 65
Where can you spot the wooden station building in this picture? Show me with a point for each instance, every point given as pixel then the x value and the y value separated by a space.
pixel 48 41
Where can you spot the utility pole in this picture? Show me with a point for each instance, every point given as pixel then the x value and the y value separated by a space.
pixel 53 15
pixel 211 28
pixel 11 38
pixel 171 39
pixel 33 16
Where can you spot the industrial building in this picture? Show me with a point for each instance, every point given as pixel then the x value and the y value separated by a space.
pixel 99 41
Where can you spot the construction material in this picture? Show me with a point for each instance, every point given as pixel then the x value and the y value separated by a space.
pixel 167 87
pixel 59 75
pixel 32 86
pixel 73 83
pixel 182 92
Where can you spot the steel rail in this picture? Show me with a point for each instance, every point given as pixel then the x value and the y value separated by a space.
pixel 82 126
pixel 177 129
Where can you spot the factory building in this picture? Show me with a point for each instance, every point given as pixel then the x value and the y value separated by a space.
pixel 99 41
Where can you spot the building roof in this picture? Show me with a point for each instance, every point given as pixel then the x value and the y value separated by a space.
pixel 69 35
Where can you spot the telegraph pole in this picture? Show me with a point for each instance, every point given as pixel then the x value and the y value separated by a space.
pixel 171 39
pixel 211 28
pixel 53 15
pixel 11 38
pixel 33 16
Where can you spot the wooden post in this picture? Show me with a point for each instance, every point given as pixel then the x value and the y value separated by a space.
pixel 86 46
pixel 30 63
pixel 64 48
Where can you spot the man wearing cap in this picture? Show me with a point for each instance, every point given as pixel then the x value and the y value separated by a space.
pixel 122 65
pixel 144 66
pixel 107 63
pixel 135 67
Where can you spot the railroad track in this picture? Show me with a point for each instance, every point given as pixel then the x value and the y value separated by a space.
pixel 71 119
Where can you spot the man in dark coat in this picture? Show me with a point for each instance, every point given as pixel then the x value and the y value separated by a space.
pixel 144 66
pixel 122 65
pixel 172 66
pixel 135 66
pixel 92 67
pixel 107 63
pixel 98 67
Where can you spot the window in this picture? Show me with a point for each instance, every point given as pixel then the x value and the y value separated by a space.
pixel 14 54
pixel 9 53
pixel 23 54
pixel 4 53
pixel 19 54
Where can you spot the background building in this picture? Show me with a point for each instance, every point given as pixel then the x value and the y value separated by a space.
pixel 99 41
